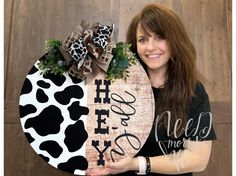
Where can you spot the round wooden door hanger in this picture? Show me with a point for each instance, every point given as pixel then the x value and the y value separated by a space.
pixel 77 125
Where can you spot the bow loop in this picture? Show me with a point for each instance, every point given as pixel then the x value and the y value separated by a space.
pixel 78 51
pixel 102 36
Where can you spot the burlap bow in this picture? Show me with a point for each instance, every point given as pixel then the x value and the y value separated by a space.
pixel 88 50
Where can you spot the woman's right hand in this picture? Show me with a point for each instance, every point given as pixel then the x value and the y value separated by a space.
pixel 124 165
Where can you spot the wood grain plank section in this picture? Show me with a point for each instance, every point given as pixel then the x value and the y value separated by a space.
pixel 11 112
pixel 206 23
pixel 7 32
pixel 14 154
pixel 222 112
pixel 229 26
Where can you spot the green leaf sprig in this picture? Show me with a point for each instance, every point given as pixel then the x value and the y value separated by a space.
pixel 53 61
pixel 122 59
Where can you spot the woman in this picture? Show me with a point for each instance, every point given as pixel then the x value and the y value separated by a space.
pixel 181 138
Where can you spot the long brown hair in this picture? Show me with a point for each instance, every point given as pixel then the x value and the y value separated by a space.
pixel 182 75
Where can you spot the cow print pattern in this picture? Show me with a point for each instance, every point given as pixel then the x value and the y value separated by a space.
pixel 53 111
pixel 78 51
pixel 101 37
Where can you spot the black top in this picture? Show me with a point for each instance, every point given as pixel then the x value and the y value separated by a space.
pixel 200 128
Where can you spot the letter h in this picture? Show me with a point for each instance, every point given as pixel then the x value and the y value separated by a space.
pixel 97 99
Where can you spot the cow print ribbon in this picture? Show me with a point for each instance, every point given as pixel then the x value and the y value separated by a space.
pixel 88 50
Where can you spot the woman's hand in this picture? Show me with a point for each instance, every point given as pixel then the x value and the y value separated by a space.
pixel 125 164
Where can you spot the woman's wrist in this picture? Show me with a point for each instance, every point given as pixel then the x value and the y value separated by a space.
pixel 142 162
pixel 134 166
pixel 141 165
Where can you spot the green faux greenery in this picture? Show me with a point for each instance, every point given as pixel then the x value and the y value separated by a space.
pixel 123 58
pixel 53 62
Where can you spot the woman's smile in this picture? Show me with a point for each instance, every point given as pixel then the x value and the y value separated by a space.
pixel 153 56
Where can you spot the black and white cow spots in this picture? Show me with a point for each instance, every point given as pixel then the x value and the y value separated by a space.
pixel 34 69
pixel 27 87
pixel 53 111
pixel 75 80
pixel 41 96
pixel 73 141
pixel 56 79
pixel 47 122
pixel 44 157
pixel 64 96
pixel 29 137
pixel 76 111
pixel 27 109
pixel 72 164
pixel 52 147
pixel 43 84
pixel 78 50
pixel 102 35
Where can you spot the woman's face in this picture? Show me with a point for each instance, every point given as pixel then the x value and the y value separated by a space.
pixel 153 50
